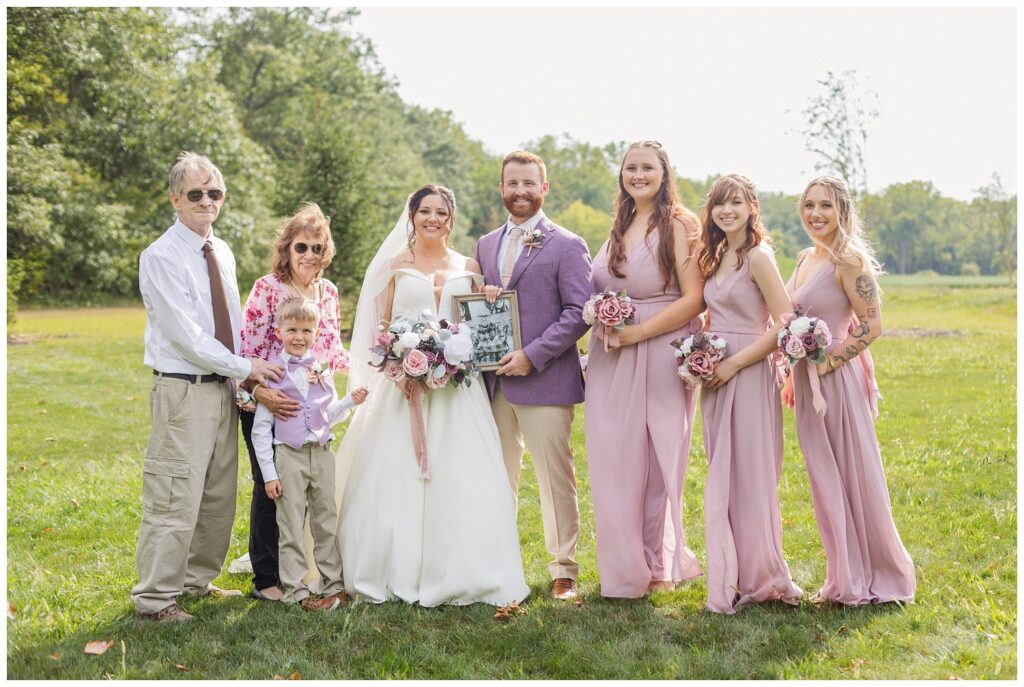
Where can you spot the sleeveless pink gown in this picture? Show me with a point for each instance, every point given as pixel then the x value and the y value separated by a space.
pixel 865 558
pixel 638 423
pixel 743 439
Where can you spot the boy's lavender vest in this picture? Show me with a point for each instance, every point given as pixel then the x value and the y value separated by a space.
pixel 312 415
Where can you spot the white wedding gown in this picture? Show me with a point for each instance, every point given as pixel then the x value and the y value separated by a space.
pixel 451 539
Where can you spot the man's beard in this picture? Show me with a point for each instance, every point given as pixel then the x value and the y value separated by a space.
pixel 535 204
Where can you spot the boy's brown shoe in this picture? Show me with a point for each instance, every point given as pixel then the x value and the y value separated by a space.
pixel 312 603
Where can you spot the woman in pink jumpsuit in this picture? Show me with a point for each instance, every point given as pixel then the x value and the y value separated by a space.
pixel 835 280
pixel 740 405
pixel 639 415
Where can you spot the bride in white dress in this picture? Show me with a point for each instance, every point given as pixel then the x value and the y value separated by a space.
pixel 452 538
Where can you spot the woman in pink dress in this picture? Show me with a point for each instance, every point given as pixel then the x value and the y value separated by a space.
pixel 639 416
pixel 836 281
pixel 740 405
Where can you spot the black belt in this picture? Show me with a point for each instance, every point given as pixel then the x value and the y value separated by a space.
pixel 191 379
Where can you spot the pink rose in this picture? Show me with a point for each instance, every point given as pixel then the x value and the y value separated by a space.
pixel 415 363
pixel 384 339
pixel 437 382
pixel 610 311
pixel 393 370
pixel 700 363
pixel 809 341
pixel 794 348
pixel 822 334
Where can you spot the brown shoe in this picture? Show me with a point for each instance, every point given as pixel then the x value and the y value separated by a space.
pixel 168 614
pixel 312 603
pixel 343 598
pixel 563 588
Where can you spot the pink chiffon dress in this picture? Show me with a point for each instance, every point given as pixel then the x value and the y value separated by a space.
pixel 866 561
pixel 638 423
pixel 743 439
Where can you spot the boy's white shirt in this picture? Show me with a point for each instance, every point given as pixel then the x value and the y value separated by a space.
pixel 263 424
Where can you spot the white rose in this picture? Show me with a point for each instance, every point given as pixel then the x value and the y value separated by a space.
pixel 408 339
pixel 718 343
pixel 800 325
pixel 376 359
pixel 687 345
pixel 589 312
pixel 459 348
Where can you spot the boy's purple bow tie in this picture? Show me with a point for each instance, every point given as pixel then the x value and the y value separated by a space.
pixel 294 362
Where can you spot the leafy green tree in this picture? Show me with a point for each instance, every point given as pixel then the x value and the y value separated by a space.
pixel 590 223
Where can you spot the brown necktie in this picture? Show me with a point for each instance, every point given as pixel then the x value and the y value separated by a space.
pixel 511 248
pixel 221 319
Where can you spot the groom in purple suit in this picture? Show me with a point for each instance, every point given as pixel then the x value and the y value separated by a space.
pixel 534 391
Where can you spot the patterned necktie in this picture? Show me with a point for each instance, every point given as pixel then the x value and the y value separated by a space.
pixel 511 249
pixel 221 318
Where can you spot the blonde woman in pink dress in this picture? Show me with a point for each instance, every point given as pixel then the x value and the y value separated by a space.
pixel 639 416
pixel 740 405
pixel 835 280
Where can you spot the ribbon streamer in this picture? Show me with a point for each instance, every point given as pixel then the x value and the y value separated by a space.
pixel 413 393
pixel 816 398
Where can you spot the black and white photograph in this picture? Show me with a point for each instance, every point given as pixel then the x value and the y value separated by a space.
pixel 495 326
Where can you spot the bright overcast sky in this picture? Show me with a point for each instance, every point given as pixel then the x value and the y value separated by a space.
pixel 720 88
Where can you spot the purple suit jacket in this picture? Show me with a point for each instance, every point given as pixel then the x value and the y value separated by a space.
pixel 552 283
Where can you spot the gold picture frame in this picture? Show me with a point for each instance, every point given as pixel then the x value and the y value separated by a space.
pixel 494 326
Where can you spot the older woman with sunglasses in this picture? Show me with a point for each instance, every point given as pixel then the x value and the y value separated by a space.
pixel 301 252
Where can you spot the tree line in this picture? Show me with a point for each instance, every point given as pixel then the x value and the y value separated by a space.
pixel 293 106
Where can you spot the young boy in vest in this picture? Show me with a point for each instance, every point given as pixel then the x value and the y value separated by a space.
pixel 297 462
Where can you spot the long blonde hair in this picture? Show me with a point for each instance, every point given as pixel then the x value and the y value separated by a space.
pixel 849 246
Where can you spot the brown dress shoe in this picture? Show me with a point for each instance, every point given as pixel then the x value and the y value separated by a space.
pixel 563 588
pixel 168 614
pixel 343 599
pixel 312 603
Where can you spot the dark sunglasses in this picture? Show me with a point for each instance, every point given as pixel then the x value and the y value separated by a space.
pixel 195 195
pixel 300 248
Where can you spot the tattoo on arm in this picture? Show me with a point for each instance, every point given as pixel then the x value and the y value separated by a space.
pixel 863 330
pixel 865 287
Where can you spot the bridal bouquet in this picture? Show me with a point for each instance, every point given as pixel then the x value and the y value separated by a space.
pixel 697 356
pixel 434 352
pixel 803 337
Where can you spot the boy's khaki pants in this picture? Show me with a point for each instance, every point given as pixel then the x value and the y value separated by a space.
pixel 307 477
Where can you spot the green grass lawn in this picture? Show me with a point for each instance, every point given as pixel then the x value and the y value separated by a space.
pixel 76 431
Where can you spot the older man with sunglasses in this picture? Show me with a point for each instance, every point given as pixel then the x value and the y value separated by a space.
pixel 189 474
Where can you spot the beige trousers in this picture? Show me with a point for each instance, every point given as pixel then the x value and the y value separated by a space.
pixel 307 481
pixel 547 431
pixel 189 480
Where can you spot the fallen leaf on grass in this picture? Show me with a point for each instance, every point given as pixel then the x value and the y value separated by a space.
pixel 97 647
pixel 47 530
pixel 55 656
pixel 180 666
pixel 23 467
pixel 12 610
pixel 295 676
pixel 41 402
pixel 992 567
pixel 506 613
pixel 42 411
pixel 50 439
pixel 842 629
pixel 74 502
pixel 578 602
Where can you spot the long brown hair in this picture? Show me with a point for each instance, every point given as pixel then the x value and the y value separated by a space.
pixel 713 241
pixel 667 208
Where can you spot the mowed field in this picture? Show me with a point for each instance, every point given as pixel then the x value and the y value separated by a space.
pixel 77 424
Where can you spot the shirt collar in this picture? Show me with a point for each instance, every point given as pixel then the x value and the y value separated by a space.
pixel 528 225
pixel 191 239
pixel 286 356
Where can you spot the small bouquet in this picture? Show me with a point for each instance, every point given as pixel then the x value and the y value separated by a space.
pixel 697 356
pixel 243 399
pixel 803 337
pixel 435 353
pixel 532 239
pixel 316 372
pixel 613 309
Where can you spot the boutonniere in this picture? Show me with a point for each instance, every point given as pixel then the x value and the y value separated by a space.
pixel 244 400
pixel 315 373
pixel 533 240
